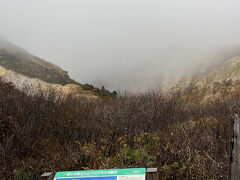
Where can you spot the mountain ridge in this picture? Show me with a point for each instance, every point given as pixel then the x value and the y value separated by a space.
pixel 218 81
pixel 20 61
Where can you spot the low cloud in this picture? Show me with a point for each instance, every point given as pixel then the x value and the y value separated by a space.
pixel 124 44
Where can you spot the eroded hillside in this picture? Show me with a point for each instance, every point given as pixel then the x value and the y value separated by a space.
pixel 20 61
pixel 34 85
pixel 24 69
pixel 218 81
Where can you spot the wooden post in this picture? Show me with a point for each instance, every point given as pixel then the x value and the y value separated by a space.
pixel 152 174
pixel 234 164
pixel 47 176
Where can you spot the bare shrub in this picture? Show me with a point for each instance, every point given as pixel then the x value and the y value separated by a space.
pixel 184 139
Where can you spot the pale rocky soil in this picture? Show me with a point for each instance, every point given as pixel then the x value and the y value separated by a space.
pixel 34 85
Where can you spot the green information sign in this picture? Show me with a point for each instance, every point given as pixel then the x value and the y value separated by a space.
pixel 107 174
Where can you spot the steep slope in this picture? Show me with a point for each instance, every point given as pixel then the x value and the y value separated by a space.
pixel 225 71
pixel 20 61
pixel 220 81
pixel 16 59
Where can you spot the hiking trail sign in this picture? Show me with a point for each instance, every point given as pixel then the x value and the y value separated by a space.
pixel 107 174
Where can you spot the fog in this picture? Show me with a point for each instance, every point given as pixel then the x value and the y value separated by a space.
pixel 123 44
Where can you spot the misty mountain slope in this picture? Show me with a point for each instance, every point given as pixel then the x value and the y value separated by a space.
pixel 217 81
pixel 225 71
pixel 26 70
pixel 20 61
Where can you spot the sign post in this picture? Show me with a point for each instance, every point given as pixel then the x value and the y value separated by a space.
pixel 234 161
pixel 107 174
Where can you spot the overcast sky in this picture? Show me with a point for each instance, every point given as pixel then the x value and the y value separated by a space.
pixel 122 44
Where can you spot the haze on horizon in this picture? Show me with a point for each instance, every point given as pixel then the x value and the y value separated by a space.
pixel 122 44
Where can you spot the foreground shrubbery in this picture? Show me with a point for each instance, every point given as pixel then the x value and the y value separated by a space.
pixel 183 139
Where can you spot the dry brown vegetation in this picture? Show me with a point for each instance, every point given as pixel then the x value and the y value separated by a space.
pixel 183 139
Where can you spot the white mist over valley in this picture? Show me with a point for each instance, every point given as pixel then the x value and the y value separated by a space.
pixel 124 45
